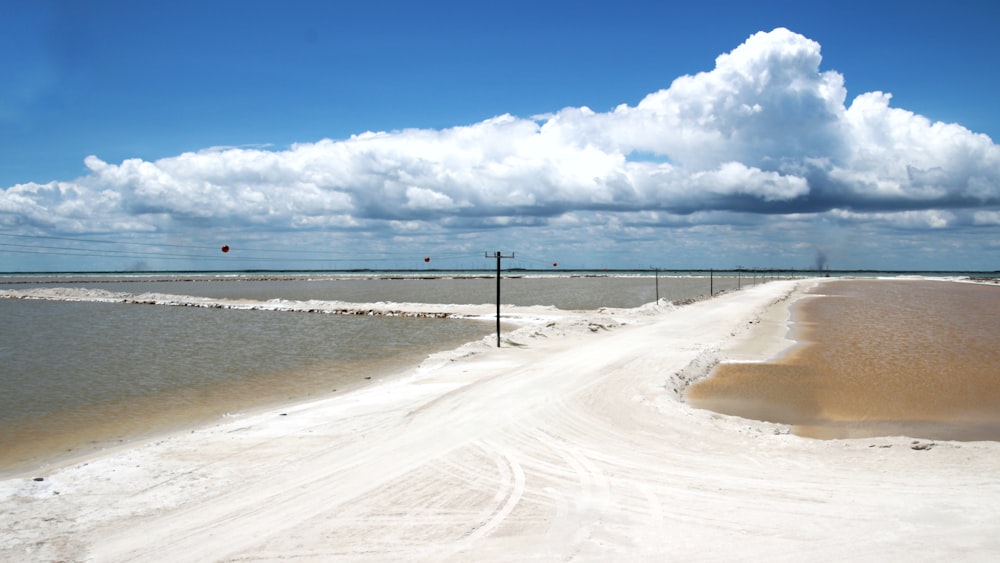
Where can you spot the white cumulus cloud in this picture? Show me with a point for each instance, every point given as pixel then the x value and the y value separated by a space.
pixel 765 132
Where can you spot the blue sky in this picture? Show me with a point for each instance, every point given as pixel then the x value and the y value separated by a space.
pixel 145 135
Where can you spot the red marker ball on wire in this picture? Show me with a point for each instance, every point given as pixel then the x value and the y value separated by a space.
pixel 225 248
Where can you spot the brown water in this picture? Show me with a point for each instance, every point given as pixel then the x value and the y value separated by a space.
pixel 878 357
pixel 78 376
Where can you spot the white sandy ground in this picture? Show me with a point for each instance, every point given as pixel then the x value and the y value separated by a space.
pixel 570 443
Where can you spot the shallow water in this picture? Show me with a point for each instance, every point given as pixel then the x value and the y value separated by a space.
pixel 878 357
pixel 565 292
pixel 79 375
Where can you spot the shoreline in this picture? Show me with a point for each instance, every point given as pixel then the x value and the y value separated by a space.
pixel 912 356
pixel 97 443
pixel 567 443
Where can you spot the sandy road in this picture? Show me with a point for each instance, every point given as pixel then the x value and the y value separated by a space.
pixel 570 445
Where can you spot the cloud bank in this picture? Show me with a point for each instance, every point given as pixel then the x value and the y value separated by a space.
pixel 764 136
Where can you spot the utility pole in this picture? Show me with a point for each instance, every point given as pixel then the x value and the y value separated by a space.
pixel 498 256
pixel 657 270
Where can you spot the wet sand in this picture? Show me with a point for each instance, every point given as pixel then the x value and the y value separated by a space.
pixel 877 358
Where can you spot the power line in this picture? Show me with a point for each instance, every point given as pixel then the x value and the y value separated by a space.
pixel 283 251
pixel 85 252
pixel 55 251
pixel 100 241
pixel 49 245
pixel 98 255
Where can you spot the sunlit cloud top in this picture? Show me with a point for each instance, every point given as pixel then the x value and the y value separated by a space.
pixel 764 136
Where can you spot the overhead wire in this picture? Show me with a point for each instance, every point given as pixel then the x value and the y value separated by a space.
pixel 315 255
